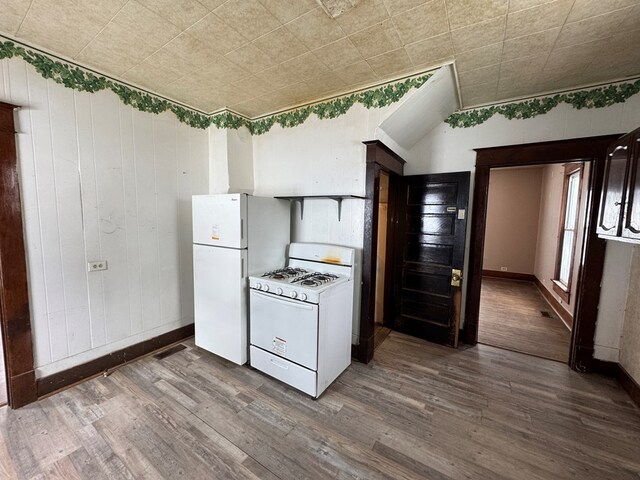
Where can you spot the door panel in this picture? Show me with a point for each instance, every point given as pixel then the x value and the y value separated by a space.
pixel 430 234
pixel 632 213
pixel 613 190
pixel 219 220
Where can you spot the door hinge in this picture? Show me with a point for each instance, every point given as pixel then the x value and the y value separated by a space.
pixel 456 277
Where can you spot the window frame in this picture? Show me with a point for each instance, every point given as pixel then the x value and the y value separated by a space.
pixel 564 291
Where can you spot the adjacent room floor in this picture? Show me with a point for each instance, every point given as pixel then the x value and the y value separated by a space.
pixel 511 317
pixel 419 410
pixel 3 377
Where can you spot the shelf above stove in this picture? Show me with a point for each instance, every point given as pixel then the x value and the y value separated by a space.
pixel 337 198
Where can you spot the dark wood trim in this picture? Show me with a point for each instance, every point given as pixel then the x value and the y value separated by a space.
pixel 379 158
pixel 557 306
pixel 15 319
pixel 73 375
pixel 613 369
pixel 564 294
pixel 591 149
pixel 526 277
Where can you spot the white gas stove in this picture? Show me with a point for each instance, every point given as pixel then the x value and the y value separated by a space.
pixel 301 317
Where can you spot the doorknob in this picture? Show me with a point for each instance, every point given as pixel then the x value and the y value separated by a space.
pixel 456 277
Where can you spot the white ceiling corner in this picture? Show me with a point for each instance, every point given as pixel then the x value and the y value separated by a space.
pixel 423 110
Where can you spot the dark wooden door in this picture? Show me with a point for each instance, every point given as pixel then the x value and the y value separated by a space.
pixel 614 189
pixel 429 248
pixel 632 213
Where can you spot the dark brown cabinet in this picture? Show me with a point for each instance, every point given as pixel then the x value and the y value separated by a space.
pixel 619 216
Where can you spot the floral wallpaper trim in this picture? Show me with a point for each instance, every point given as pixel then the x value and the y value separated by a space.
pixel 77 78
pixel 598 97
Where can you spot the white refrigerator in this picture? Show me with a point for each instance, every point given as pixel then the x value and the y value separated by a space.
pixel 234 235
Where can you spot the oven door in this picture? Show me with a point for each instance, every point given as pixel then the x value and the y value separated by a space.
pixel 287 328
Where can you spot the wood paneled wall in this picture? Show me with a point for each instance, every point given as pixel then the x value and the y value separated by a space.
pixel 102 181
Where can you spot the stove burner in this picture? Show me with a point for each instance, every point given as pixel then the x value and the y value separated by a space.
pixel 284 273
pixel 315 279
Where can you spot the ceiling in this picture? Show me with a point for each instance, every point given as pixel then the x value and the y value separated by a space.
pixel 260 56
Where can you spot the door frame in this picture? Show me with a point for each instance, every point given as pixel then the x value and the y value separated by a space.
pixel 379 158
pixel 15 320
pixel 591 149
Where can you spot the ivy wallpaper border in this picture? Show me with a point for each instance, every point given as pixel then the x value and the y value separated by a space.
pixel 77 78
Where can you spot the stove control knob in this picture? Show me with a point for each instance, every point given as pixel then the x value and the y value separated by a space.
pixel 293 294
pixel 258 286
pixel 279 291
pixel 303 296
pixel 265 288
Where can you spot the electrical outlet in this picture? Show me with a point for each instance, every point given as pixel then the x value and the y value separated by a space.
pixel 503 269
pixel 98 265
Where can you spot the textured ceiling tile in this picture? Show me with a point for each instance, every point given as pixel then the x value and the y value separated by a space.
pixel 248 17
pixel 116 50
pixel 182 14
pixel 13 12
pixel 66 26
pixel 394 7
pixel 315 28
pixel 487 74
pixel 425 21
pixel 463 13
pixel 573 59
pixel 536 19
pixel 254 85
pixel 251 58
pixel 589 8
pixel 525 46
pixel 391 63
pixel 219 36
pixel 189 49
pixel 152 27
pixel 430 50
pixel 590 29
pixel 523 67
pixel 376 40
pixel 280 45
pixel 306 65
pixel 223 71
pixel 480 57
pixel 153 75
pixel 338 54
pixel 478 94
pixel 631 20
pixel 364 15
pixel 287 10
pixel 516 87
pixel 251 108
pixel 212 4
pixel 622 44
pixel 326 83
pixel 517 5
pixel 358 73
pixel 478 35
pixel 279 76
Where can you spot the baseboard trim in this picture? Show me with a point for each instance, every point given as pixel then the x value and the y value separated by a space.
pixel 510 275
pixel 57 381
pixel 617 371
pixel 566 317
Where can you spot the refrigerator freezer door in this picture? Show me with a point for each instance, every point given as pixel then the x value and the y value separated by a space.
pixel 220 291
pixel 220 220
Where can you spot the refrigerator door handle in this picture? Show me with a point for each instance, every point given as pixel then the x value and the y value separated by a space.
pixel 242 267
pixel 241 229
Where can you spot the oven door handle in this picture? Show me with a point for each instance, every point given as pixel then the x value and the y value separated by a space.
pixel 290 303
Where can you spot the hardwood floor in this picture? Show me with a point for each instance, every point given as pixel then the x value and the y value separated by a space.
pixel 419 410
pixel 510 317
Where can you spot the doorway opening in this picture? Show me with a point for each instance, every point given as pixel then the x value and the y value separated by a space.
pixel 533 242
pixel 381 330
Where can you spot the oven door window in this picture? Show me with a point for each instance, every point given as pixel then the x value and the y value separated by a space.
pixel 287 328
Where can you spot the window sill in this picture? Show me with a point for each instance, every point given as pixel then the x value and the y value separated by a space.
pixel 561 290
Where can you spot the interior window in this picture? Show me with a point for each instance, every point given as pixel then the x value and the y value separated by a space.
pixel 568 227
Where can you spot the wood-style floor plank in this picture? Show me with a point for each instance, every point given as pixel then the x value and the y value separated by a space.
pixel 417 411
pixel 511 317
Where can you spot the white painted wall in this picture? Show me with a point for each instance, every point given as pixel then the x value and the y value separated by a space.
pixel 102 181
pixel 230 160
pixel 321 157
